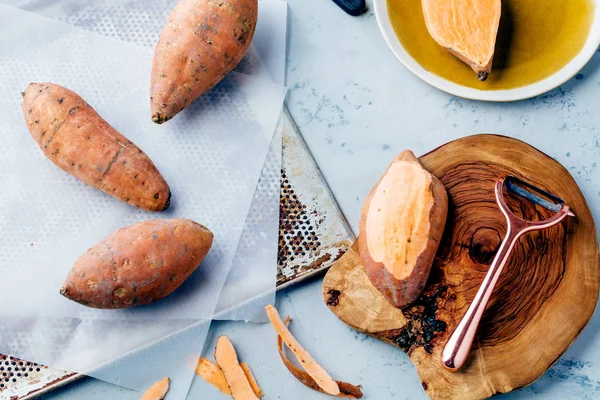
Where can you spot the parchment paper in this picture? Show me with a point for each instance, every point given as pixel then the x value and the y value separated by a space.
pixel 250 285
pixel 48 218
pixel 141 23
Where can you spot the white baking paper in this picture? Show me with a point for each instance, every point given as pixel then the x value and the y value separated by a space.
pixel 141 23
pixel 270 38
pixel 210 155
pixel 250 285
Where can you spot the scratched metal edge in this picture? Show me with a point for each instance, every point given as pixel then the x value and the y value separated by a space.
pixel 65 380
pixel 292 131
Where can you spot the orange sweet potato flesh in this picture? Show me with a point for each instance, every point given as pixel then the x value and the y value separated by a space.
pixel 467 28
pixel 138 264
pixel 79 141
pixel 201 43
pixel 158 391
pixel 401 225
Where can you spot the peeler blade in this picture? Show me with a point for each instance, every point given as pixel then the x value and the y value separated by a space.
pixel 534 194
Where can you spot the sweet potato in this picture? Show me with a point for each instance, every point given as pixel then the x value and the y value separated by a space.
pixel 138 264
pixel 401 225
pixel 75 138
pixel 201 43
pixel 467 28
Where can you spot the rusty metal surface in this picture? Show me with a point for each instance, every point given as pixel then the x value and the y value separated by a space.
pixel 313 233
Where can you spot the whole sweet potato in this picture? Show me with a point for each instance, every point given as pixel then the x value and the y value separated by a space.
pixel 401 225
pixel 138 264
pixel 75 138
pixel 201 43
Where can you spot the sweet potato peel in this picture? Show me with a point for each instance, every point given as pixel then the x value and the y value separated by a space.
pixel 347 390
pixel 158 391
pixel 212 373
pixel 227 360
pixel 251 380
pixel 314 376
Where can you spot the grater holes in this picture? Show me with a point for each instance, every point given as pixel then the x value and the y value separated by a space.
pixel 14 369
pixel 297 236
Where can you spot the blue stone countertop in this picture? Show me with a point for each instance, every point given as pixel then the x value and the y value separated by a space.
pixel 358 107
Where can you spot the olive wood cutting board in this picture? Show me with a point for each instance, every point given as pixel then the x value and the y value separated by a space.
pixel 544 298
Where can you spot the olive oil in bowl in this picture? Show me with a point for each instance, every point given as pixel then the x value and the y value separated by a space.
pixel 536 38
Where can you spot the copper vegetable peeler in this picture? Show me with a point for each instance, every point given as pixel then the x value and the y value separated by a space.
pixel 457 348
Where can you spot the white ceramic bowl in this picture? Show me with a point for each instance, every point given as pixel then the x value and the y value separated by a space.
pixel 524 92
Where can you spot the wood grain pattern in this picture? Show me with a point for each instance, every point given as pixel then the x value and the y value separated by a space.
pixel 544 298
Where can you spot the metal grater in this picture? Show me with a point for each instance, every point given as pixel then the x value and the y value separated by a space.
pixel 313 234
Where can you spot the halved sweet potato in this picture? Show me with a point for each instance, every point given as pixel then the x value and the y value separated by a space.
pixel 401 225
pixel 467 28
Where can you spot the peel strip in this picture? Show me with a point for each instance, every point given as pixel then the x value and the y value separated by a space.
pixel 252 380
pixel 347 390
pixel 316 372
pixel 211 373
pixel 158 390
pixel 227 360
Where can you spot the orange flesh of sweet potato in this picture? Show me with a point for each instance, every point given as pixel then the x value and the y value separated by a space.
pixel 227 360
pixel 212 373
pixel 467 28
pixel 158 391
pixel 138 264
pixel 316 372
pixel 347 390
pixel 401 225
pixel 75 138
pixel 201 43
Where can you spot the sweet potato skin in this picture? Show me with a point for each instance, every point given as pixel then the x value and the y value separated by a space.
pixel 402 292
pixel 79 141
pixel 138 264
pixel 201 43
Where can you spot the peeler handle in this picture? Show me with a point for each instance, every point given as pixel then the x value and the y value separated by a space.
pixel 457 349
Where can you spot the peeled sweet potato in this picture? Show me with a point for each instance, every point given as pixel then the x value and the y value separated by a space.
pixel 201 43
pixel 138 264
pixel 467 28
pixel 75 138
pixel 401 225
